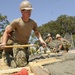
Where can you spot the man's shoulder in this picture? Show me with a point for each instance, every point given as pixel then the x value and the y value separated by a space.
pixel 16 20
pixel 33 21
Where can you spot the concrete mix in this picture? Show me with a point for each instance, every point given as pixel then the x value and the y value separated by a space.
pixel 66 67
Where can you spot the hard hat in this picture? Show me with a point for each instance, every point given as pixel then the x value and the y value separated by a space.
pixel 49 35
pixel 25 5
pixel 58 35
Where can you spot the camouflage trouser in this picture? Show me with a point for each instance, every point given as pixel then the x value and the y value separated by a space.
pixel 66 46
pixel 7 53
pixel 20 57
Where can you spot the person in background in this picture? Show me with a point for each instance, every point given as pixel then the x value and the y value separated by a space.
pixel 42 49
pixel 65 45
pixel 22 30
pixel 49 38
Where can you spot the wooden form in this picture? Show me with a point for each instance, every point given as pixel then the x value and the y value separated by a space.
pixel 47 61
pixel 37 69
pixel 13 70
pixel 9 71
pixel 34 68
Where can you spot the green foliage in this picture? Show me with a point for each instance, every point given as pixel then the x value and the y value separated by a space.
pixel 62 25
pixel 3 23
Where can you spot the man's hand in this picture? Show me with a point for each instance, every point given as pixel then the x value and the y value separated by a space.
pixel 44 43
pixel 2 45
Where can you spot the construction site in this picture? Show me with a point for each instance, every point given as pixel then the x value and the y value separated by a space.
pixel 44 46
pixel 45 64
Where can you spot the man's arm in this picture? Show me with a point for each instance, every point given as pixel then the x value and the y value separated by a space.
pixel 5 35
pixel 38 35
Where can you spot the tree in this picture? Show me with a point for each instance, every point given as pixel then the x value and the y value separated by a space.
pixel 3 23
pixel 63 24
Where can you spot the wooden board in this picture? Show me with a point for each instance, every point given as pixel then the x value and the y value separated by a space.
pixel 38 69
pixel 34 68
pixel 13 70
pixel 47 61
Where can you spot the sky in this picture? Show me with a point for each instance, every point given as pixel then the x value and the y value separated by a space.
pixel 43 11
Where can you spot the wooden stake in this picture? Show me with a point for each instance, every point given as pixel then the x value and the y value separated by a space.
pixel 11 46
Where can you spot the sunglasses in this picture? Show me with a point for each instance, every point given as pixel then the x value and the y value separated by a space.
pixel 26 10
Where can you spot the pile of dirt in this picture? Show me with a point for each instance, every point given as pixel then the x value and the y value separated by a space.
pixel 66 67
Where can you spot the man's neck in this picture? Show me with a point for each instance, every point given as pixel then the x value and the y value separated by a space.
pixel 25 19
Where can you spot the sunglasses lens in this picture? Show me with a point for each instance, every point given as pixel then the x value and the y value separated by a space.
pixel 26 10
